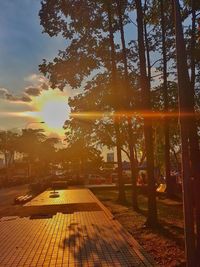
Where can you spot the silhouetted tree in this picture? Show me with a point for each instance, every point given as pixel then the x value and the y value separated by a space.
pixel 129 106
pixel 148 131
pixel 188 138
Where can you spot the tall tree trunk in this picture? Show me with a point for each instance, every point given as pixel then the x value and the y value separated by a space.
pixel 147 52
pixel 116 92
pixel 193 136
pixel 166 101
pixel 193 45
pixel 185 123
pixel 128 101
pixel 147 45
pixel 148 131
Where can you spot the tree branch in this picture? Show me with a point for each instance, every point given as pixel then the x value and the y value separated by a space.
pixel 156 62
pixel 126 152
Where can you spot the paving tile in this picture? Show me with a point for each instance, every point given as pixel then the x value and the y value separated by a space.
pixel 83 238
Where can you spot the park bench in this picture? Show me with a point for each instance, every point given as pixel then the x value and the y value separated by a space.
pixel 22 199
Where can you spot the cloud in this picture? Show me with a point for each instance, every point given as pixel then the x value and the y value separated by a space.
pixel 10 97
pixel 23 98
pixel 7 95
pixel 44 86
pixel 33 91
pixel 37 80
pixel 3 92
pixel 38 83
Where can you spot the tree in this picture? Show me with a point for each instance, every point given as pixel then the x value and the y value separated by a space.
pixel 29 144
pixel 92 116
pixel 128 108
pixel 8 147
pixel 159 42
pixel 117 106
pixel 188 138
pixel 166 100
pixel 8 144
pixel 90 38
pixel 148 132
pixel 84 158
pixel 47 155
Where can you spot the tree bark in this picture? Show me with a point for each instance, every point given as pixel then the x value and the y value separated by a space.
pixel 166 100
pixel 148 131
pixel 193 45
pixel 185 123
pixel 128 102
pixel 147 45
pixel 193 135
pixel 121 195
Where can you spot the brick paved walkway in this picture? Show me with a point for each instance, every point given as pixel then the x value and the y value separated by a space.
pixel 83 238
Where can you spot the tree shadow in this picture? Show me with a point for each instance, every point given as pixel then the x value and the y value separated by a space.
pixel 94 244
pixel 167 229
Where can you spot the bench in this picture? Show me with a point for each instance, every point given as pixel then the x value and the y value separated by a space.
pixel 22 199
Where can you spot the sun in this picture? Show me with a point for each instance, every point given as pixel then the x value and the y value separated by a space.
pixel 52 108
pixel 54 113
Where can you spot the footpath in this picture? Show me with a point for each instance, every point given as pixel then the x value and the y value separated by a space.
pixel 67 228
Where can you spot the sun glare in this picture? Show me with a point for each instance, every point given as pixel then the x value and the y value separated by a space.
pixel 52 108
pixel 54 113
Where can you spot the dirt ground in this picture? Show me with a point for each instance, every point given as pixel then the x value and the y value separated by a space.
pixel 165 244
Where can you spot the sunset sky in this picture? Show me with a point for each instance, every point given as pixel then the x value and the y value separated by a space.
pixel 25 96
